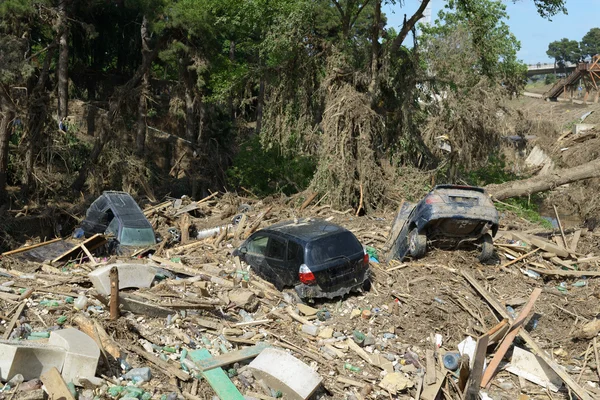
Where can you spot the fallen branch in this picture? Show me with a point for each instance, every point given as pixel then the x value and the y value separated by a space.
pixel 550 181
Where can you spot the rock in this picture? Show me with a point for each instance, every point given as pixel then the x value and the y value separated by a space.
pixel 244 299
pixel 369 340
pixel 139 375
pixel 306 310
pixel 395 382
pixel 326 333
pixel 310 329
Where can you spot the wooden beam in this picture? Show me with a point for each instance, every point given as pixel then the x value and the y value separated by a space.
pixel 561 272
pixel 13 321
pixel 27 248
pixel 473 383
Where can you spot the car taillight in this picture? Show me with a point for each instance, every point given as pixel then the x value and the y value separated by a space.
pixel 306 276
pixel 366 258
pixel 433 198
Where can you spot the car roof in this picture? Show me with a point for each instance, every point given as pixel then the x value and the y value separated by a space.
pixel 126 209
pixel 304 229
pixel 460 187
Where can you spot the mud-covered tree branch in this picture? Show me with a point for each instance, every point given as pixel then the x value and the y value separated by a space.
pixel 542 183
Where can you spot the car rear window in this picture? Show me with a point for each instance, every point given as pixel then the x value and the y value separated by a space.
pixel 343 244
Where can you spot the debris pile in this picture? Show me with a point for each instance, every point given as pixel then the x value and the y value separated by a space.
pixel 184 319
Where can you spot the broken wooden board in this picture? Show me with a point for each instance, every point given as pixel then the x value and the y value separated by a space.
pixel 138 305
pixel 508 339
pixel 474 382
pixel 536 349
pixel 90 244
pixel 231 357
pixel 560 272
pixel 55 385
pixel 217 378
pixel 541 243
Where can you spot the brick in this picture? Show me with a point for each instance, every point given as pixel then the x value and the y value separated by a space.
pixel 284 372
pixel 130 275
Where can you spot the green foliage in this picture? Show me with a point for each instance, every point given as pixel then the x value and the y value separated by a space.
pixel 550 79
pixel 564 51
pixel 266 171
pixel 549 8
pixel 590 43
pixel 496 172
pixel 494 45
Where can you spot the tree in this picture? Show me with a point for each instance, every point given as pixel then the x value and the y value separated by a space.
pixel 471 57
pixel 564 51
pixel 62 28
pixel 590 43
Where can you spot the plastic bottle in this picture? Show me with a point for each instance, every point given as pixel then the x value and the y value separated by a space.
pixel 451 361
pixel 81 302
pixel 351 367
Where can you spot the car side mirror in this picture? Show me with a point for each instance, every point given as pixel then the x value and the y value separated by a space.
pixel 243 250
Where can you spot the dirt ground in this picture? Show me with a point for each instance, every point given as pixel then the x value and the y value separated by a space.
pixel 409 304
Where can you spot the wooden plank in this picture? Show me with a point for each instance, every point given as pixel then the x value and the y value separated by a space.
pixel 535 348
pixel 562 263
pixel 562 232
pixel 520 258
pixel 88 254
pixel 473 383
pixel 27 248
pixel 430 367
pixel 55 385
pixel 561 272
pixel 575 240
pixel 541 243
pixel 217 378
pixel 176 267
pixel 231 358
pixel 509 338
pixel 308 200
pixel 13 321
pixel 91 243
pixel 350 382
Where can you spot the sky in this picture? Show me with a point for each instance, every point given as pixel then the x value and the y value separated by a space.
pixel 533 31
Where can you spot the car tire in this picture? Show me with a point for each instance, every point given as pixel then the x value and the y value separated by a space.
pixel 417 243
pixel 487 248
pixel 366 285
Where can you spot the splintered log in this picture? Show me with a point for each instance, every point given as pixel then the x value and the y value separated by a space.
pixel 542 183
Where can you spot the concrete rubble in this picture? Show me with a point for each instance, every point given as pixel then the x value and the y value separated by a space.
pixel 193 322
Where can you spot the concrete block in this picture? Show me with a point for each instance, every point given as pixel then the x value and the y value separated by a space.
pixel 82 353
pixel 282 371
pixel 130 275
pixel 582 128
pixel 28 359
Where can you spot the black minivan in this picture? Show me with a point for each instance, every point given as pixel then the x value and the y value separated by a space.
pixel 316 257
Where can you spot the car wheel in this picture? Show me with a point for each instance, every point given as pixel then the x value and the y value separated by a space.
pixel 417 243
pixel 487 248
pixel 366 285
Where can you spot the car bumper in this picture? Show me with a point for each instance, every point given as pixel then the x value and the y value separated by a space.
pixel 315 291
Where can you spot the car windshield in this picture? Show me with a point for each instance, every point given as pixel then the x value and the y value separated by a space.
pixel 343 244
pixel 137 237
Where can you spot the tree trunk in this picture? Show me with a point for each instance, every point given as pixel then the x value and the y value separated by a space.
pixel 550 181
pixel 140 137
pixel 189 79
pixel 260 105
pixel 63 61
pixel 375 48
pixel 36 116
pixel 115 105
pixel 408 26
pixel 232 60
pixel 8 114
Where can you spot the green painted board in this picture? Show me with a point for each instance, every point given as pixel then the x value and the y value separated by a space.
pixel 217 378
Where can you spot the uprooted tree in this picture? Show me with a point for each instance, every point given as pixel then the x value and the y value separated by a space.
pixel 542 183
